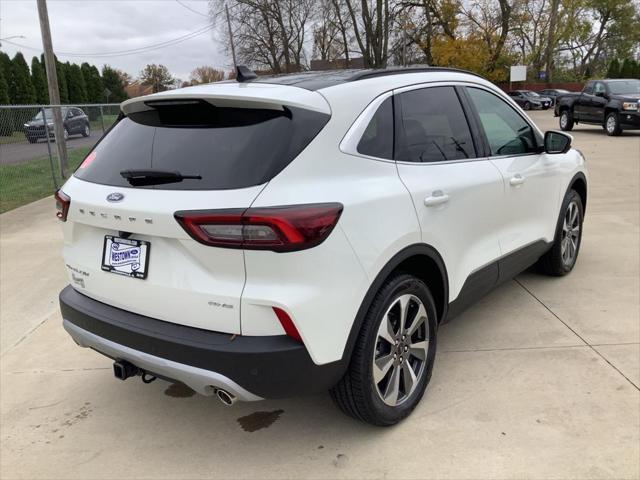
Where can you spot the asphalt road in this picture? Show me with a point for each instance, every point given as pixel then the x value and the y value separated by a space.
pixel 539 380
pixel 13 153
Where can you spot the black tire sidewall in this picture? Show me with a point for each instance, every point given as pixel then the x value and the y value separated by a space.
pixel 400 285
pixel 616 131
pixel 569 124
pixel 527 106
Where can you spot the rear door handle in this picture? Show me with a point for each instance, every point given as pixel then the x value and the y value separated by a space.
pixel 438 197
pixel 516 180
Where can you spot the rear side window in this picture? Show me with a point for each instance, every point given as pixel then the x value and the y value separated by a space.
pixel 377 139
pixel 432 127
pixel 227 147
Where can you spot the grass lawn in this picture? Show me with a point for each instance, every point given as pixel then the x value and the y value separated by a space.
pixel 15 137
pixel 30 181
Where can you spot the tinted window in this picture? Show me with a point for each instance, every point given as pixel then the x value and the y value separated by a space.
pixel 506 131
pixel 588 88
pixel 377 139
pixel 228 147
pixel 599 88
pixel 621 87
pixel 433 127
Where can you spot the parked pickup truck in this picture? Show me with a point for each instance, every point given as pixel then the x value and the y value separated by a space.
pixel 614 104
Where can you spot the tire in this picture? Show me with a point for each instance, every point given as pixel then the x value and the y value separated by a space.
pixel 612 124
pixel 527 106
pixel 86 131
pixel 566 120
pixel 357 394
pixel 559 261
pixel 65 134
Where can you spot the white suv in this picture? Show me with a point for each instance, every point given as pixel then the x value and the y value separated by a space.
pixel 269 237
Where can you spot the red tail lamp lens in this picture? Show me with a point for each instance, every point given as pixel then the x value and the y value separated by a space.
pixel 281 229
pixel 286 322
pixel 63 202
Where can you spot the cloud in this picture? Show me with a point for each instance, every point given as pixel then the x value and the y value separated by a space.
pixel 102 26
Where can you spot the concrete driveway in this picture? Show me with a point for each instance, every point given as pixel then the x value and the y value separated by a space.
pixel 539 380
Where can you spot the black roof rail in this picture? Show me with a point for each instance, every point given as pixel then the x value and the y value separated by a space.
pixel 381 72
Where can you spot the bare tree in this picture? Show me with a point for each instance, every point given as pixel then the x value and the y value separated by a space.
pixel 492 21
pixel 372 22
pixel 269 34
pixel 206 74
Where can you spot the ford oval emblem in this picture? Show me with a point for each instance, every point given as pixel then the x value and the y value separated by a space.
pixel 115 197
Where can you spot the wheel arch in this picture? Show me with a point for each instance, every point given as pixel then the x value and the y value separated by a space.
pixel 579 184
pixel 420 260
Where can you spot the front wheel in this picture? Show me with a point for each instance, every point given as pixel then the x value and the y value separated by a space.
pixel 394 354
pixel 527 106
pixel 562 257
pixel 566 121
pixel 86 131
pixel 612 125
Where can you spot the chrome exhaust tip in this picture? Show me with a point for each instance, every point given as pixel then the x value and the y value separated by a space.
pixel 225 397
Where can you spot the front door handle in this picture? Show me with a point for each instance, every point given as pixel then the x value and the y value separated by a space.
pixel 516 180
pixel 438 197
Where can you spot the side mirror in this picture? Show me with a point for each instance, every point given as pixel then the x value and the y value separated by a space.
pixel 557 142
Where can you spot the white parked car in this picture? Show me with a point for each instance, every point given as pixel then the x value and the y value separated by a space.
pixel 270 237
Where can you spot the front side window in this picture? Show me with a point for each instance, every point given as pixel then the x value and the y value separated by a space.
pixel 377 139
pixel 506 131
pixel 599 88
pixel 588 88
pixel 432 127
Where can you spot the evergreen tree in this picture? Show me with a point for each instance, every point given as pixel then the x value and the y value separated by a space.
pixel 21 89
pixel 76 84
pixel 5 66
pixel 93 82
pixel 112 82
pixel 614 69
pixel 636 70
pixel 6 127
pixel 39 80
pixel 627 69
pixel 61 72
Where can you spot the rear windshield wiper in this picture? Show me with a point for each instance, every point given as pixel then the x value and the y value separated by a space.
pixel 139 178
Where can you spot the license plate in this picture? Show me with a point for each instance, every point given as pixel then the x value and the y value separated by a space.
pixel 125 256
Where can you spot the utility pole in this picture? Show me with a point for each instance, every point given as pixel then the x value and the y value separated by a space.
pixel 54 92
pixel 233 49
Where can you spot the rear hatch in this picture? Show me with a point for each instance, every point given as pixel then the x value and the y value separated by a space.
pixel 179 152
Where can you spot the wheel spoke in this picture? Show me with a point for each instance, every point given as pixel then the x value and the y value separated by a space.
pixel 381 367
pixel 393 387
pixel 404 311
pixel 574 215
pixel 409 377
pixel 418 320
pixel 419 350
pixel 386 330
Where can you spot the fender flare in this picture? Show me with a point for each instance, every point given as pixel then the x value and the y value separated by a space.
pixel 390 266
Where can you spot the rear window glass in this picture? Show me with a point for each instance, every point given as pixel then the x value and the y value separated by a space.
pixel 227 147
pixel 377 139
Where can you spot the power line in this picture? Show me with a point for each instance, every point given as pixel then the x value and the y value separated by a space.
pixel 179 2
pixel 133 51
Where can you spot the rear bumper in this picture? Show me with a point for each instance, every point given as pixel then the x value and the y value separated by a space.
pixel 251 368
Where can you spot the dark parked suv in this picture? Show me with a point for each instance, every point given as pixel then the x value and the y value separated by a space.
pixel 75 122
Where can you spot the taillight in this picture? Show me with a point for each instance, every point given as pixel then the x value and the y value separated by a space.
pixel 62 205
pixel 281 229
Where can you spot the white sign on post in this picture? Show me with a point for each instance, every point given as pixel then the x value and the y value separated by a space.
pixel 518 73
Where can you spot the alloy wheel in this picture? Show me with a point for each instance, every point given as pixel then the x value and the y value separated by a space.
pixel 564 120
pixel 611 124
pixel 401 350
pixel 570 234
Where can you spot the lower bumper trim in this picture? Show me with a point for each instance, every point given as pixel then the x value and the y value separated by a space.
pixel 202 381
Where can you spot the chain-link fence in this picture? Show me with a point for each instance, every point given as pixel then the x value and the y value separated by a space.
pixel 29 163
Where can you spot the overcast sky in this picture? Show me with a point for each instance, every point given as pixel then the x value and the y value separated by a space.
pixel 104 26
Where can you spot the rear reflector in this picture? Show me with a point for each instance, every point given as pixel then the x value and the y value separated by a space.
pixel 280 229
pixel 286 322
pixel 62 205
